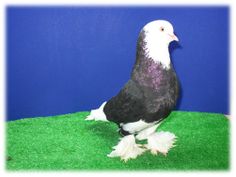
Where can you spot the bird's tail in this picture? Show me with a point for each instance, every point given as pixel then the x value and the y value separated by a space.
pixel 97 114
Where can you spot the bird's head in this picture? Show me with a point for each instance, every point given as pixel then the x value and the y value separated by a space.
pixel 161 31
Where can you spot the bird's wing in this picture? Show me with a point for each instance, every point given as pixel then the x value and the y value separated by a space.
pixel 127 106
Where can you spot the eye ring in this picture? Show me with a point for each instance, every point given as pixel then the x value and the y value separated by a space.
pixel 162 29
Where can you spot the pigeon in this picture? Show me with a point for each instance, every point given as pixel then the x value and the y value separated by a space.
pixel 147 98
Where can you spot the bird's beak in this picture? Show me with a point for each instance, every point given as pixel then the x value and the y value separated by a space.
pixel 174 37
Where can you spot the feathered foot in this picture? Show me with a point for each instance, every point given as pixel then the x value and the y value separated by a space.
pixel 144 134
pixel 160 142
pixel 127 149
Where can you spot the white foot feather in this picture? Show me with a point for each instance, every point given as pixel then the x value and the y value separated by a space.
pixel 160 142
pixel 97 114
pixel 127 149
pixel 144 134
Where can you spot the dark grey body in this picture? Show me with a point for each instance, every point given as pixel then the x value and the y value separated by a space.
pixel 150 94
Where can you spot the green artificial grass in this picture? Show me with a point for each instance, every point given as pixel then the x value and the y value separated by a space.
pixel 68 142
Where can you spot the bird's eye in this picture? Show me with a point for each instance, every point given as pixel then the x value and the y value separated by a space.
pixel 162 29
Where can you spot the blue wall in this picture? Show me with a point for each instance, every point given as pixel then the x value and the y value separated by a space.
pixel 68 59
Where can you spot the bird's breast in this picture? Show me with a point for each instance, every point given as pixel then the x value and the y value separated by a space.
pixel 153 75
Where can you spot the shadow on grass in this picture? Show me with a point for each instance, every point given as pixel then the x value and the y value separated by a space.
pixel 104 130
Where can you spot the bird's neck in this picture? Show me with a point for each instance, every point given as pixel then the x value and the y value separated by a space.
pixel 157 51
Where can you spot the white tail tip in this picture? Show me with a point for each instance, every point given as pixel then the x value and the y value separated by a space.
pixel 97 114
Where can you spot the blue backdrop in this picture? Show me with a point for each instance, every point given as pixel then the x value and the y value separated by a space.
pixel 68 59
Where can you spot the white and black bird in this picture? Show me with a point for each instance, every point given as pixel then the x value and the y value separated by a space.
pixel 147 98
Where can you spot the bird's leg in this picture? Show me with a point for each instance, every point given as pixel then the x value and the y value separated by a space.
pixel 144 134
pixel 127 148
pixel 123 132
pixel 160 142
